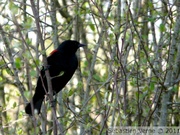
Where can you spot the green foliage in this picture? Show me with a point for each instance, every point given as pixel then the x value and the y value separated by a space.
pixel 13 7
pixel 28 23
pixel 14 104
pixel 115 88
pixel 92 26
pixel 18 63
pixel 61 73
pixel 33 73
pixel 71 92
pixel 162 27
pixel 97 77
pixel 20 131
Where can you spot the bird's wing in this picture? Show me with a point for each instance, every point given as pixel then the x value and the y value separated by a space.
pixel 56 64
pixel 60 64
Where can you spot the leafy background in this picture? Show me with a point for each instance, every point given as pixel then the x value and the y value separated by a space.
pixel 128 74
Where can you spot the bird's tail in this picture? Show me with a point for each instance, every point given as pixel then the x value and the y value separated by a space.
pixel 34 107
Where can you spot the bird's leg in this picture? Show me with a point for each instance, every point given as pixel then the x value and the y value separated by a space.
pixel 53 102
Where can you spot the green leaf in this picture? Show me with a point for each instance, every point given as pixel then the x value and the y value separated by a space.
pixel 28 23
pixel 18 63
pixel 151 19
pixel 14 104
pixel 96 77
pixel 19 131
pixel 88 126
pixel 162 27
pixel 37 62
pixel 71 92
pixel 92 26
pixel 28 41
pixel 7 98
pixel 7 28
pixel 152 87
pixel 80 84
pixel 13 8
pixel 111 36
pixel 61 73
pixel 27 55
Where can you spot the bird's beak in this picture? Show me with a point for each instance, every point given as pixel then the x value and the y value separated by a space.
pixel 81 45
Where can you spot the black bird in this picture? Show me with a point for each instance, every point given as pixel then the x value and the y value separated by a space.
pixel 62 64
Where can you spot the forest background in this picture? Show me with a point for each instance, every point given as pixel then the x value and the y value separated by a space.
pixel 128 74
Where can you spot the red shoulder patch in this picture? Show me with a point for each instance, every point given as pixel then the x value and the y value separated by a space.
pixel 53 52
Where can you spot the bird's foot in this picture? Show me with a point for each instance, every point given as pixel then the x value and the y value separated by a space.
pixel 53 103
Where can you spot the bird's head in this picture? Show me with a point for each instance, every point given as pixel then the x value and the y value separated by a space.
pixel 69 47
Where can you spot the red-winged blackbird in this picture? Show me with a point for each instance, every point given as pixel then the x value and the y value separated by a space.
pixel 62 64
